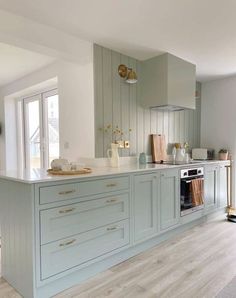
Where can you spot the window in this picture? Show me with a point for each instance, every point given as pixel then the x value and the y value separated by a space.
pixel 38 132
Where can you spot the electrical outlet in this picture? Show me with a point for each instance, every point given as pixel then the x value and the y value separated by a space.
pixel 126 144
pixel 121 144
pixel 66 145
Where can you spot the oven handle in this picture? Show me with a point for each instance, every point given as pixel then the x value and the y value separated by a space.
pixel 189 181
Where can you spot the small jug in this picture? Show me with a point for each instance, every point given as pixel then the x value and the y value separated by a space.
pixel 113 155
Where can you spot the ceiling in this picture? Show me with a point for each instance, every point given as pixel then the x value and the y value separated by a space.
pixel 202 32
pixel 16 63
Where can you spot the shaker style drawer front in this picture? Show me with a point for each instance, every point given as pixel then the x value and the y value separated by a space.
pixel 62 255
pixel 103 185
pixel 61 222
pixel 56 193
pixel 50 194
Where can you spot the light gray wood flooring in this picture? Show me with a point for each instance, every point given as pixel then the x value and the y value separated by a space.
pixel 197 263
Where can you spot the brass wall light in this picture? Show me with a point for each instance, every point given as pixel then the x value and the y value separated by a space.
pixel 128 73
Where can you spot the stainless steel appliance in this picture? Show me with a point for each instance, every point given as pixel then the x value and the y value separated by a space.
pixel 187 203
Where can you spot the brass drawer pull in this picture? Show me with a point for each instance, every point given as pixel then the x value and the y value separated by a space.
pixel 67 243
pixel 66 192
pixel 112 228
pixel 111 185
pixel 67 210
pixel 111 200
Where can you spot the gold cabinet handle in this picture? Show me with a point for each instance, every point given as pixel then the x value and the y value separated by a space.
pixel 111 200
pixel 67 243
pixel 111 184
pixel 66 192
pixel 67 210
pixel 112 228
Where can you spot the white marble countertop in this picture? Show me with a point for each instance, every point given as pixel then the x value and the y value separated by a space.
pixel 41 175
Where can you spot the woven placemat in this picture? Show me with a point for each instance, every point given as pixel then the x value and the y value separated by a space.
pixel 79 172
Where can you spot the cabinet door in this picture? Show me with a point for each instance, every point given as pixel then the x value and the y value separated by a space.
pixel 169 199
pixel 210 188
pixel 145 206
pixel 222 197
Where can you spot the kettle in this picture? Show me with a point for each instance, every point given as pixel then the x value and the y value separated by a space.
pixel 180 154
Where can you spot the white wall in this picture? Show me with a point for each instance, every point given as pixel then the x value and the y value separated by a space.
pixel 25 33
pixel 76 96
pixel 76 109
pixel 218 125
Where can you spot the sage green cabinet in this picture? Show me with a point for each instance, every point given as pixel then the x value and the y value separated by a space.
pixel 222 194
pixel 169 199
pixel 210 187
pixel 146 188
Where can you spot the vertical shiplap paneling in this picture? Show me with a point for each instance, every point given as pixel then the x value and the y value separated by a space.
pixel 153 122
pixel 116 100
pixel 107 97
pixel 140 115
pixel 181 127
pixel 171 127
pixel 160 122
pixel 132 111
pixel 176 126
pixel 165 130
pixel 146 131
pixel 118 103
pixel 98 98
pixel 186 126
pixel 125 105
pixel 190 138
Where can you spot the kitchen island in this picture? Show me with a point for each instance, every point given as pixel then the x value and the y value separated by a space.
pixel 58 231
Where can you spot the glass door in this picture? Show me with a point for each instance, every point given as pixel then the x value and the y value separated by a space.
pixel 33 132
pixel 51 125
pixel 41 129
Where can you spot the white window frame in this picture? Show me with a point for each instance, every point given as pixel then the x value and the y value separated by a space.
pixel 23 153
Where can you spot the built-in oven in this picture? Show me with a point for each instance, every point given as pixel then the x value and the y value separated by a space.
pixel 191 190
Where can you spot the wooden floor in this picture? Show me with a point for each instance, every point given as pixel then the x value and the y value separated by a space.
pixel 198 263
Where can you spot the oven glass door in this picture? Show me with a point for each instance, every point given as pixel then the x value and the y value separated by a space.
pixel 186 199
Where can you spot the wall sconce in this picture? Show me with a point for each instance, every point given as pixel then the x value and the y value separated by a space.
pixel 128 73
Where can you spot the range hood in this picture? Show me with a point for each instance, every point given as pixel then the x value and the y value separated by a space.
pixel 168 83
pixel 169 108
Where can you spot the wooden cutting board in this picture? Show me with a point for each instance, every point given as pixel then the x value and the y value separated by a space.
pixel 158 147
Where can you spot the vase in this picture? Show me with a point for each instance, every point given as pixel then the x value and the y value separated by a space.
pixel 113 155
pixel 223 156
pixel 142 158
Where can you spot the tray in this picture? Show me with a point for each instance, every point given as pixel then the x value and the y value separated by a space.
pixel 79 172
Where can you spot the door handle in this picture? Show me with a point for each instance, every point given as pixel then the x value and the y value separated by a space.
pixel 111 184
pixel 66 192
pixel 112 228
pixel 111 200
pixel 67 210
pixel 67 243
